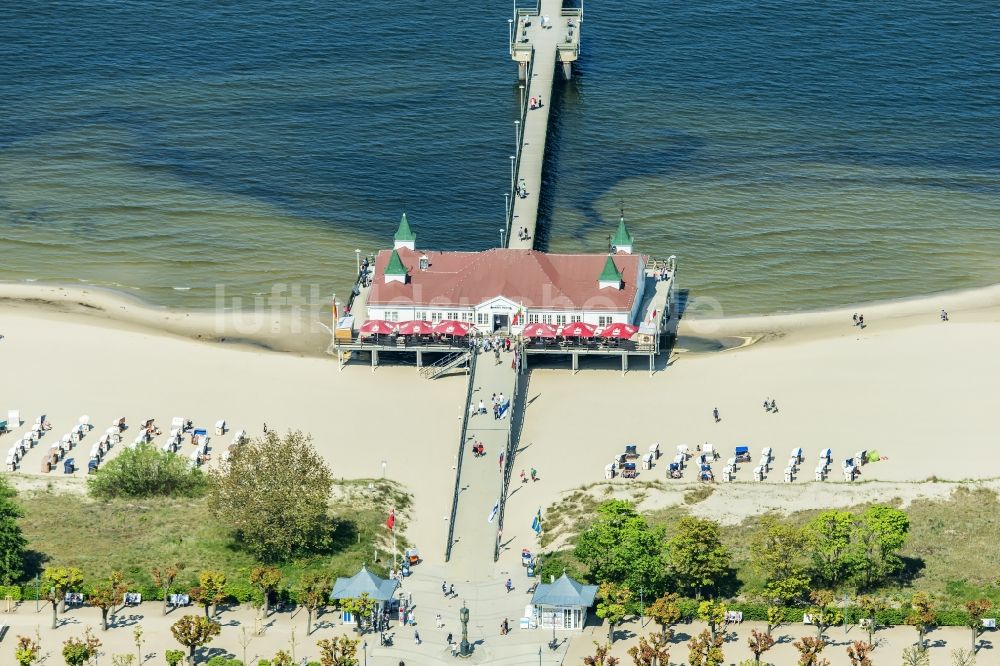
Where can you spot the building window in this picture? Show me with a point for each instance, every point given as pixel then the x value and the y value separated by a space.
pixel 467 316
pixel 576 319
pixel 482 318
pixel 422 315
pixel 604 320
pixel 560 320
pixel 392 315
pixel 435 317
pixel 532 318
pixel 547 319
pixel 453 316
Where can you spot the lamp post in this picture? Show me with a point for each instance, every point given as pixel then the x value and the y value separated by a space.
pixel 512 158
pixel 539 656
pixel 463 615
pixel 506 200
pixel 510 39
pixel 501 238
pixel 357 258
pixel 522 100
pixel 517 134
pixel 365 648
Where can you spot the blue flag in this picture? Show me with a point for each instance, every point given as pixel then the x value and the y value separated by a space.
pixel 536 524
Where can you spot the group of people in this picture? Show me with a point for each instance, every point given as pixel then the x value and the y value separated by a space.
pixel 521 190
pixel 770 406
pixel 859 320
pixel 534 475
pixel 522 234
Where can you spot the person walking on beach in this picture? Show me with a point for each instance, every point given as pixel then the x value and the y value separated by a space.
pixel 482 406
pixel 767 404
pixel 861 320
pixel 944 316
pixel 855 318
pixel 534 474
pixel 524 479
pixel 444 588
pixel 416 637
pixel 774 407
pixel 715 414
pixel 509 585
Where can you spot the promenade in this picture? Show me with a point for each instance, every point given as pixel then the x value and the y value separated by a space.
pixel 540 41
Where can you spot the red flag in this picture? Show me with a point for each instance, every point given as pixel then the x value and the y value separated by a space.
pixel 391 522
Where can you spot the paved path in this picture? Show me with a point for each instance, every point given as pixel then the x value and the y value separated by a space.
pixel 472 553
pixel 545 42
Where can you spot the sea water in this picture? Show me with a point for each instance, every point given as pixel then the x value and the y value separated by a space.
pixel 793 155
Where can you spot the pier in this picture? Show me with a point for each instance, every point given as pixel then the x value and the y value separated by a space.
pixel 540 38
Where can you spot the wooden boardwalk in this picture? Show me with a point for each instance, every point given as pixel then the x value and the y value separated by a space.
pixel 542 38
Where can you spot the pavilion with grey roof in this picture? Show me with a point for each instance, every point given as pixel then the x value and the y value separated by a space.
pixel 563 604
pixel 364 582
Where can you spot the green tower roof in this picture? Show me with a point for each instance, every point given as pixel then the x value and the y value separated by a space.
pixel 610 272
pixel 395 266
pixel 404 233
pixel 622 236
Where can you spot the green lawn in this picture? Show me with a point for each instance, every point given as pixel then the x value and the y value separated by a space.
pixel 133 536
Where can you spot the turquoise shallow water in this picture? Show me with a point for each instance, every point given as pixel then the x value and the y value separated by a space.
pixel 793 155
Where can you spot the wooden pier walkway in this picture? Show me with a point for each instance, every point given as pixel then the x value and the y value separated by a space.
pixel 542 37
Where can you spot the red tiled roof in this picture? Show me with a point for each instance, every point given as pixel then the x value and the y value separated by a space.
pixel 536 279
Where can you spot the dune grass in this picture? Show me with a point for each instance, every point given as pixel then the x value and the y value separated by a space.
pixel 134 536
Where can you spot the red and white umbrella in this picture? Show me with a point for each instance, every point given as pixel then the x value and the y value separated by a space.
pixel 620 331
pixel 452 327
pixel 539 330
pixel 415 327
pixel 578 330
pixel 377 327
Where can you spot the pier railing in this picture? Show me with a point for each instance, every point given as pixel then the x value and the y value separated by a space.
pixel 461 455
pixel 515 421
pixel 520 143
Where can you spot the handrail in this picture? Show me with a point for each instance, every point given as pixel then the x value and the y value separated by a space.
pixel 461 455
pixel 512 441
pixel 434 369
pixel 520 143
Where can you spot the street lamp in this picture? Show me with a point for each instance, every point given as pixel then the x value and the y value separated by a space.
pixel 512 158
pixel 463 615
pixel 365 648
pixel 357 257
pixel 517 134
pixel 506 199
pixel 510 40
pixel 539 656
pixel 501 237
pixel 522 100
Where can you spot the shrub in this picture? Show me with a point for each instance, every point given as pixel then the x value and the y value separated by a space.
pixel 173 657
pixel 145 471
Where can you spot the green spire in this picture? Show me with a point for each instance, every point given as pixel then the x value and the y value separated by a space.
pixel 404 233
pixel 622 236
pixel 395 266
pixel 610 272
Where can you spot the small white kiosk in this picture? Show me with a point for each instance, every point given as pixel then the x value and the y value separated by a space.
pixel 563 604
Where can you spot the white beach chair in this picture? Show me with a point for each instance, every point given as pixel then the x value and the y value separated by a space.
pixel 789 474
pixel 731 463
pixel 13 419
pixel 609 471
pixel 727 474
pixel 710 450
pixel 680 460
pixel 177 422
pixel 220 427
pixel 85 422
pixel 655 450
pixel 758 473
pixel 821 473
pixel 860 458
pixel 797 454
pixel 683 450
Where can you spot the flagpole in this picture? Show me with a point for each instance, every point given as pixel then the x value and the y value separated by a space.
pixel 394 545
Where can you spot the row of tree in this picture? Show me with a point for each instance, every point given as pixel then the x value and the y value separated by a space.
pixel 312 591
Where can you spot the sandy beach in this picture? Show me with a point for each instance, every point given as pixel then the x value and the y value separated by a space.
pixel 916 389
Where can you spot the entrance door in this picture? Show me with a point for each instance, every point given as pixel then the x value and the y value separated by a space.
pixel 500 322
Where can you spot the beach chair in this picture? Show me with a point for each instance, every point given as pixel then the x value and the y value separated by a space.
pixel 13 419
pixel 647 461
pixel 631 451
pixel 826 456
pixel 758 473
pixel 92 466
pixel 674 471
pixel 860 458
pixel 797 454
pixel 683 450
pixel 220 427
pixel 727 475
pixel 655 450
pixel 789 474
pixel 11 463
pixel 821 472
pixel 793 463
pixel 849 469
pixel 709 449
pixel 731 463
pixel 679 460
pixel 84 421
pixel 742 454
pixel 69 466
pixel 609 471
pixel 629 472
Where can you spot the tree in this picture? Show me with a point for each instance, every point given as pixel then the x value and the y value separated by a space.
pixel 914 656
pixel 58 581
pixel 759 642
pixel 775 617
pixel 211 589
pixel 137 641
pixel 105 596
pixel 858 652
pixel 612 600
pixel 78 651
pixel 620 547
pixel 27 651
pixel 976 610
pixel 12 541
pixel 695 555
pixel 194 631
pixel 314 589
pixel 146 471
pixel 265 579
pixel 880 533
pixel 776 554
pixel 173 657
pixel 824 615
pixel 281 658
pixel 361 607
pixel 164 578
pixel 706 650
pixel 601 656
pixel 342 651
pixel 962 657
pixel 871 606
pixel 666 612
pixel 922 616
pixel 274 494
pixel 713 614
pixel 653 651
pixel 830 536
pixel 809 649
